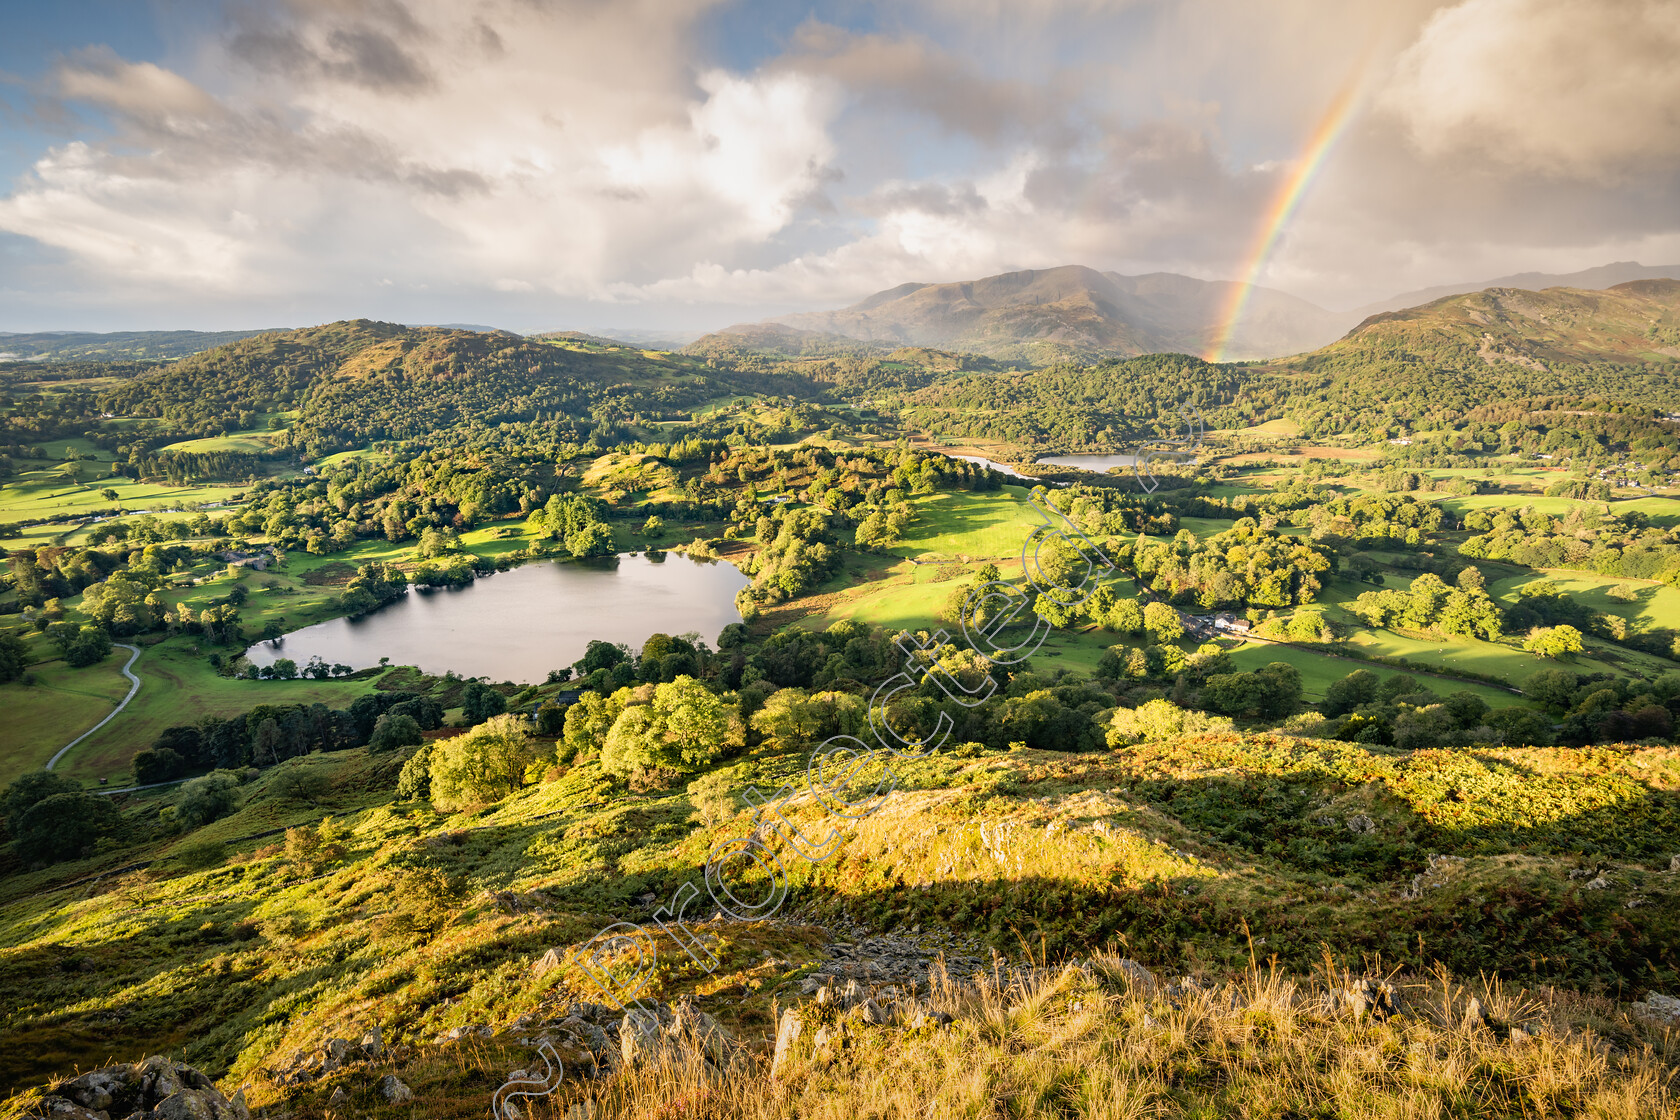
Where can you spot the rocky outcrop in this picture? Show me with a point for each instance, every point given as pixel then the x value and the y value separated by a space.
pixel 155 1089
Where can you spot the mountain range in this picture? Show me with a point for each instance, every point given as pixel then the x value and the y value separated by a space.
pixel 1044 315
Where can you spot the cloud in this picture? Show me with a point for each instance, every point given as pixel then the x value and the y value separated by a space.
pixel 521 151
pixel 1561 87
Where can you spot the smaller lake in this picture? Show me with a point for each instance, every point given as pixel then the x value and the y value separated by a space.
pixel 1098 463
pixel 519 624
pixel 985 462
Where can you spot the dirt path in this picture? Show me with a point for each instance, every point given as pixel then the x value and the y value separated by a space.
pixel 133 687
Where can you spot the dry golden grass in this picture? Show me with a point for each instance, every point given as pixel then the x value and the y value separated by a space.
pixel 1083 1042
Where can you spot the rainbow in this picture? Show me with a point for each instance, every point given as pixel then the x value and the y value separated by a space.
pixel 1282 208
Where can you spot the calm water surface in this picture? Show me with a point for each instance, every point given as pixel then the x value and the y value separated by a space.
pixel 1098 463
pixel 519 624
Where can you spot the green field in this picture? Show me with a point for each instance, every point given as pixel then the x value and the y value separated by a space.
pixel 1320 670
pixel 1655 605
pixel 176 686
pixel 986 525
pixel 63 703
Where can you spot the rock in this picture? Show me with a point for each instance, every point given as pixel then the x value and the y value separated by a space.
pixel 851 994
pixel 393 1090
pixel 1474 1017
pixel 372 1044
pixel 96 1090
pixel 59 1108
pixel 237 1106
pixel 1658 1008
pixel 547 963
pixel 1138 978
pixel 1674 863
pixel 189 1104
pixel 340 1098
pixel 1361 824
pixel 1519 1036
pixel 787 1036
pixel 581 1110
pixel 1599 884
pixel 588 1035
pixel 927 1018
pixel 696 1030
pixel 873 1012
pixel 158 1078
pixel 338 1049
pixel 640 1039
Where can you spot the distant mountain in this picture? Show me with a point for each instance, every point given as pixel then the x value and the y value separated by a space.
pixel 125 345
pixel 1045 315
pixel 1590 279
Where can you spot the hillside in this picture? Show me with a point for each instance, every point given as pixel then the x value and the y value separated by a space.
pixel 1072 312
pixel 353 382
pixel 1592 279
pixel 113 346
pixel 1529 867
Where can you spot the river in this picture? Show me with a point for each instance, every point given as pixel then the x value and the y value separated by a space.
pixel 519 624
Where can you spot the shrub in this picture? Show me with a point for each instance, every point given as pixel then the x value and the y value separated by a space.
pixel 199 856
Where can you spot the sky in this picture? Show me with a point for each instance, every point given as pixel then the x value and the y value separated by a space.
pixel 685 164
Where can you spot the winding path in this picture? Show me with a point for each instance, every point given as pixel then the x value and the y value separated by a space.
pixel 134 686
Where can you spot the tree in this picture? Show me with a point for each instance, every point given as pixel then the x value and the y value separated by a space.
pixel 284 669
pixel 415 781
pixel 395 729
pixel 157 765
pixel 1553 641
pixel 1159 719
pixel 654 526
pixel 594 539
pixel 479 702
pixel 1125 617
pixel 14 656
pixel 713 798
pixel 298 781
pixel 91 646
pixel 1355 690
pixel 207 798
pixel 1162 623
pixel 485 764
pixel 685 727
pixel 27 791
pixel 108 494
pixel 63 825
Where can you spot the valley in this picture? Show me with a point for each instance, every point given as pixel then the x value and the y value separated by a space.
pixel 1368 686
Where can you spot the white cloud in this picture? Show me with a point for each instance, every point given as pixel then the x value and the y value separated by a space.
pixel 523 151
pixel 1558 86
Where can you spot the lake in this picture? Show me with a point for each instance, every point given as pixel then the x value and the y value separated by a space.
pixel 1098 463
pixel 519 624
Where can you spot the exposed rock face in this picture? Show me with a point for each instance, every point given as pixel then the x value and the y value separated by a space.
pixel 1659 1009
pixel 667 1032
pixel 393 1090
pixel 155 1089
